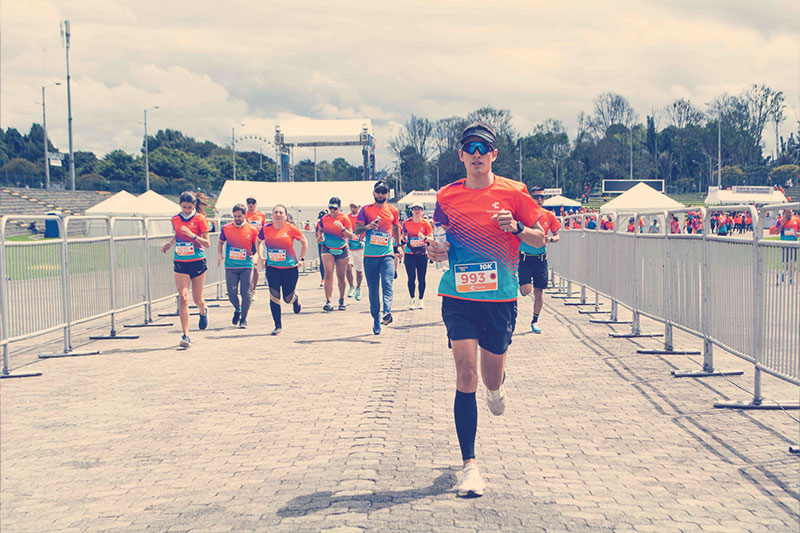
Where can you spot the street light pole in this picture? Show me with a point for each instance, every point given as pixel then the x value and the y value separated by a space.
pixel 69 110
pixel 46 151
pixel 146 154
pixel 719 147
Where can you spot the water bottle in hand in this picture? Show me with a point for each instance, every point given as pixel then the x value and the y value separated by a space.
pixel 440 236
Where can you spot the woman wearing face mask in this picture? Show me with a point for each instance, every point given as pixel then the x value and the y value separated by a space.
pixel 282 265
pixel 416 232
pixel 191 236
pixel 332 231
pixel 239 241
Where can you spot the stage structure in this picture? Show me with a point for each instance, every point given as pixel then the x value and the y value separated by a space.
pixel 302 133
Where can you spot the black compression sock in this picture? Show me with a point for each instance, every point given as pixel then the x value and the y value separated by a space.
pixel 276 313
pixel 466 415
pixel 535 317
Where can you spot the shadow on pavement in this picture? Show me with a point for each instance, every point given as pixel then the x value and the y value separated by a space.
pixel 312 503
pixel 354 338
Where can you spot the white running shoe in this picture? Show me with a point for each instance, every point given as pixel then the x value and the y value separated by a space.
pixel 420 304
pixel 472 484
pixel 412 303
pixel 496 399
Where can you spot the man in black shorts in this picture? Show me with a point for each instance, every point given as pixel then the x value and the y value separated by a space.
pixel 533 261
pixel 485 217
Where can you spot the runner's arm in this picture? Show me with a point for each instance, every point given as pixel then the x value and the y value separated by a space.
pixel 167 245
pixel 303 246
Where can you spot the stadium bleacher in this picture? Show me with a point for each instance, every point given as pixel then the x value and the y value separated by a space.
pixel 19 201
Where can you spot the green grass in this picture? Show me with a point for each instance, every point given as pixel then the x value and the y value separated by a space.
pixel 40 262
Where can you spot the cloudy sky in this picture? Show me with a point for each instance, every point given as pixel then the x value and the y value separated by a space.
pixel 212 65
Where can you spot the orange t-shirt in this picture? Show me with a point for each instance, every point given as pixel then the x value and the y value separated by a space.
pixel 412 230
pixel 185 248
pixel 256 218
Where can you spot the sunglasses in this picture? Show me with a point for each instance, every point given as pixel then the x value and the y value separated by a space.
pixel 381 191
pixel 251 203
pixel 539 196
pixel 333 207
pixel 481 147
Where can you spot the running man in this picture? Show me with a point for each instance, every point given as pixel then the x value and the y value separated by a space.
pixel 282 265
pixel 257 219
pixel 533 260
pixel 239 240
pixel 381 222
pixel 191 236
pixel 485 217
pixel 356 257
pixel 332 231
pixel 416 232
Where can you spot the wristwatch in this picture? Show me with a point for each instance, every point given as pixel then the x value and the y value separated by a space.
pixel 520 228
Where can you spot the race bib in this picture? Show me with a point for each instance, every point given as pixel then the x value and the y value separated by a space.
pixel 256 224
pixel 276 255
pixel 184 249
pixel 790 232
pixel 476 277
pixel 416 242
pixel 237 254
pixel 379 238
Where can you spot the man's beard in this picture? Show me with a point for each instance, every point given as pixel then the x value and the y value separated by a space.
pixel 378 201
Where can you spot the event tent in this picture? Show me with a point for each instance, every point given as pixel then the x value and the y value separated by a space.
pixel 124 204
pixel 744 195
pixel 641 197
pixel 426 198
pixel 114 205
pixel 303 199
pixel 554 202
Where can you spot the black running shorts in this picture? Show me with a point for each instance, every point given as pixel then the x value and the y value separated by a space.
pixel 533 268
pixel 491 323
pixel 192 268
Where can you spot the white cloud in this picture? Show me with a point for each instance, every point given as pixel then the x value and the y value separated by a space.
pixel 209 67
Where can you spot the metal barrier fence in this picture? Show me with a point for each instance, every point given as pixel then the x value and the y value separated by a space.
pixel 96 268
pixel 741 294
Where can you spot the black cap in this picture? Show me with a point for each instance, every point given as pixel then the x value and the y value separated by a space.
pixel 335 201
pixel 481 130
pixel 380 184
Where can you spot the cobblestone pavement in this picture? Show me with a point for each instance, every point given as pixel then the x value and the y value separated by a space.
pixel 328 427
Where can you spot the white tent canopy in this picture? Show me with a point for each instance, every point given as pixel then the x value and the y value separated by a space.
pixel 426 198
pixel 744 195
pixel 152 204
pixel 303 199
pixel 640 197
pixel 558 201
pixel 116 205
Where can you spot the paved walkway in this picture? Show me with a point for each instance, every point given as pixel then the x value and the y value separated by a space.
pixel 329 427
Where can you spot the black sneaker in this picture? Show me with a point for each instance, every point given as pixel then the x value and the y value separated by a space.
pixel 236 315
pixel 342 307
pixel 276 331
pixel 203 323
pixel 296 304
pixel 243 324
pixel 387 319
pixel 327 307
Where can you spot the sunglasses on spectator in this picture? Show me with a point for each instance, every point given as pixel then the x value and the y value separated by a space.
pixel 333 207
pixel 481 147
pixel 539 196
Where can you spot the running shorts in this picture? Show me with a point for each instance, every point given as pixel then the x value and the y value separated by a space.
pixel 491 323
pixel 357 259
pixel 533 268
pixel 337 253
pixel 282 280
pixel 192 268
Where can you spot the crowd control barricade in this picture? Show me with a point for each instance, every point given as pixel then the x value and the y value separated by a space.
pixel 738 292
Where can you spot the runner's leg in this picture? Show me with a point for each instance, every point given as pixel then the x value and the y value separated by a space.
pixel 197 294
pixel 387 281
pixel 341 268
pixel 373 274
pixel 329 263
pixel 411 272
pixel 422 272
pixel 465 408
pixel 244 287
pixel 274 281
pixel 182 283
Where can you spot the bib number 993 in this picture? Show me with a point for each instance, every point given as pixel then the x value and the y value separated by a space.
pixel 476 277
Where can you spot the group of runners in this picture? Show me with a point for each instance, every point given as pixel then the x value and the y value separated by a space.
pixel 495 246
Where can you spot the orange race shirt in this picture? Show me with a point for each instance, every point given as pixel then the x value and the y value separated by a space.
pixel 280 244
pixel 357 244
pixel 379 240
pixel 550 223
pixel 185 248
pixel 240 245
pixel 334 237
pixel 256 218
pixel 483 258
pixel 791 229
pixel 416 244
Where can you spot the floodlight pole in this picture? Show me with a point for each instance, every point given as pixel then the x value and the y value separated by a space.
pixel 719 148
pixel 69 110
pixel 146 154
pixel 233 145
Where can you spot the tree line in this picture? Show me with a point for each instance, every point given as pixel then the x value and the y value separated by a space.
pixel 677 143
pixel 177 163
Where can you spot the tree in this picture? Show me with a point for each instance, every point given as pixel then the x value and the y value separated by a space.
pixel 91 182
pixel 610 109
pixel 682 113
pixel 413 170
pixel 416 133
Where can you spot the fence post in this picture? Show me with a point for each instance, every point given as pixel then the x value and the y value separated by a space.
pixel 705 318
pixel 758 311
pixel 668 344
pixel 4 307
